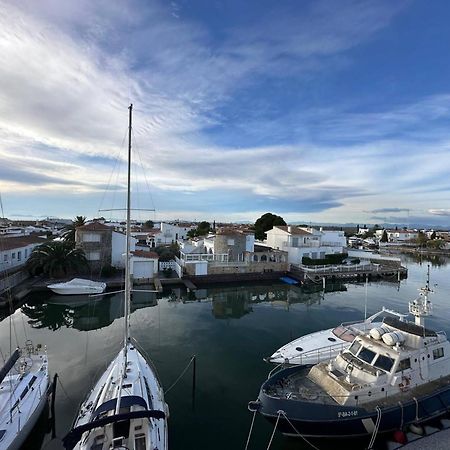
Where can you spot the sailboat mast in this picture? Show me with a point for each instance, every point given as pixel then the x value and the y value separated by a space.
pixel 128 238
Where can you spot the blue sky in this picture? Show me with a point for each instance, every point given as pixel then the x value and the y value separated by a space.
pixel 320 111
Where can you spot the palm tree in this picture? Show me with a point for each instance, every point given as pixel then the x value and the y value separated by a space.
pixel 56 259
pixel 69 230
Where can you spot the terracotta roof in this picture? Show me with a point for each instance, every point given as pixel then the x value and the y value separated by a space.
pixel 94 226
pixel 144 254
pixel 10 243
pixel 294 230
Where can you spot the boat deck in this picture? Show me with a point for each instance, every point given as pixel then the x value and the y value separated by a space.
pixel 298 386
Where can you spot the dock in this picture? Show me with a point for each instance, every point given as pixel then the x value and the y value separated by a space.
pixel 353 272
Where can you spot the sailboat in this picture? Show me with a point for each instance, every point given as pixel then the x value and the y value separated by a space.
pixel 24 384
pixel 126 408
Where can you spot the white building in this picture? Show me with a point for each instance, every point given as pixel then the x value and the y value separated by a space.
pixel 305 242
pixel 168 234
pixel 14 251
pixel 402 235
pixel 144 265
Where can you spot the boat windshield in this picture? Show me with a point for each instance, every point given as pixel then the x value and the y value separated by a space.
pixel 354 348
pixel 366 355
pixel 344 333
pixel 384 363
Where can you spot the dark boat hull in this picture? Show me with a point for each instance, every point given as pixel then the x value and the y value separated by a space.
pixel 314 419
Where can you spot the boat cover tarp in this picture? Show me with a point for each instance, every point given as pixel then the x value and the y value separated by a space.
pixel 72 438
pixel 288 280
pixel 125 402
pixel 9 364
pixel 408 327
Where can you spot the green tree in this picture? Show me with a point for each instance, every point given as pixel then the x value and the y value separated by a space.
pixel 149 224
pixel 265 223
pixel 436 244
pixel 421 240
pixel 384 237
pixel 56 259
pixel 69 230
pixel 203 228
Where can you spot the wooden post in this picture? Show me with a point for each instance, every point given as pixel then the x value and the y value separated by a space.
pixel 52 406
pixel 194 376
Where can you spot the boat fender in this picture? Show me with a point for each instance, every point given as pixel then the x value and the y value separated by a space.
pixel 404 385
pixel 416 429
pixel 400 437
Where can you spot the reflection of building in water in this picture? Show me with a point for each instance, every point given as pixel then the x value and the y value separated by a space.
pixel 85 315
pixel 234 304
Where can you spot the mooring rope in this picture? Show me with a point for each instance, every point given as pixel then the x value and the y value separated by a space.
pixel 274 429
pixel 251 429
pixel 417 409
pixel 181 376
pixel 375 430
pixel 295 429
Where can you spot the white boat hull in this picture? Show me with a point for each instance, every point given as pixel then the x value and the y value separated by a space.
pixel 78 286
pixel 30 404
pixel 139 391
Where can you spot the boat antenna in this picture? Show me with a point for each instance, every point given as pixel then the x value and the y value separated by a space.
pixel 127 252
pixel 422 307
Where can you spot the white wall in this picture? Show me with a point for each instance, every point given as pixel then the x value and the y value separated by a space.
pixel 10 259
pixel 118 249
pixel 143 267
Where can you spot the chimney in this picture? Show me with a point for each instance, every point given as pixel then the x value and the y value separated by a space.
pixel 289 228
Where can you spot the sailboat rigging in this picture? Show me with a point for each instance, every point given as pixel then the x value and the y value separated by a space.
pixel 126 407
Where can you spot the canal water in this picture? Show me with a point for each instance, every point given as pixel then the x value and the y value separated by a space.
pixel 229 329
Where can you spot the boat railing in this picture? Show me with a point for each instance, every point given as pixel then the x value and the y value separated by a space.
pixel 322 353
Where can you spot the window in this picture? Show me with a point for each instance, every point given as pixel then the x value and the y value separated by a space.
pixel 13 256
pixel 438 353
pixel 26 253
pixel 93 256
pixel 354 348
pixel 366 355
pixel 91 237
pixel 384 363
pixel 404 364
pixel 5 257
pixel 19 256
pixel 230 242
pixel 295 242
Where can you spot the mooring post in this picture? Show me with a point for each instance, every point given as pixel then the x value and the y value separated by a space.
pixel 194 376
pixel 323 283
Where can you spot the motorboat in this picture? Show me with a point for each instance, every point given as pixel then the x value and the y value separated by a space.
pixel 78 286
pixel 24 384
pixel 323 345
pixel 126 408
pixel 395 375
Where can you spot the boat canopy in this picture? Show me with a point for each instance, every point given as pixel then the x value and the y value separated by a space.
pixel 125 402
pixel 72 438
pixel 9 364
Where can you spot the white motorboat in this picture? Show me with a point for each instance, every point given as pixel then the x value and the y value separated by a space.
pixel 392 377
pixel 24 383
pixel 326 344
pixel 126 407
pixel 78 286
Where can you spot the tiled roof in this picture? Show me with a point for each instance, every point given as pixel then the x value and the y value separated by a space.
pixel 144 254
pixel 294 230
pixel 10 243
pixel 94 226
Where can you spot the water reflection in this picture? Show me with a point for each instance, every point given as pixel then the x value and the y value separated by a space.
pixel 82 312
pixel 421 258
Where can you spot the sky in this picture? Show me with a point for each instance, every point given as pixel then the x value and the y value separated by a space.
pixel 319 111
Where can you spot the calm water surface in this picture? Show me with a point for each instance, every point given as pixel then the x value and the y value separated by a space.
pixel 229 329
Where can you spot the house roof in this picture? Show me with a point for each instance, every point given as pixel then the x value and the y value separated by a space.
pixel 145 254
pixel 293 230
pixel 94 226
pixel 10 243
